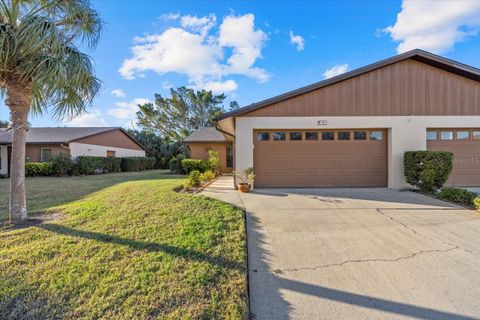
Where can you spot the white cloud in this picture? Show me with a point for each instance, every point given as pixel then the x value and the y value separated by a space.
pixel 335 71
pixel 119 93
pixel 169 16
pixel 434 25
pixel 92 119
pixel 127 110
pixel 201 25
pixel 195 50
pixel 220 87
pixel 297 41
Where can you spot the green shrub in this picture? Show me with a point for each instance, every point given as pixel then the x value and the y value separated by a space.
pixel 194 178
pixel 61 164
pixel 427 170
pixel 208 175
pixel 476 203
pixel 461 196
pixel 175 164
pixel 190 165
pixel 36 169
pixel 214 162
pixel 88 164
pixel 130 164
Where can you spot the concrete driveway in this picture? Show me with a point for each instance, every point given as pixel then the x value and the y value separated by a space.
pixel 359 254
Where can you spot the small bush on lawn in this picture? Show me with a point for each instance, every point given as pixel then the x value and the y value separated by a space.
pixel 476 203
pixel 460 196
pixel 427 170
pixel 175 164
pixel 131 164
pixel 61 164
pixel 190 165
pixel 193 180
pixel 214 161
pixel 208 175
pixel 37 169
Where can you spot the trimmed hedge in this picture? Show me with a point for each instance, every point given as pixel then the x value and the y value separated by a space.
pixel 427 170
pixel 62 164
pixel 190 165
pixel 130 164
pixel 37 169
pixel 88 164
pixel 461 196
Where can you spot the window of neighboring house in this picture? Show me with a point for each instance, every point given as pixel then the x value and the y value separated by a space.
pixel 328 135
pixel 311 136
pixel 45 154
pixel 476 135
pixel 279 136
pixel 344 135
pixel 263 136
pixel 295 136
pixel 446 135
pixel 376 135
pixel 110 153
pixel 463 135
pixel 431 135
pixel 229 157
pixel 360 135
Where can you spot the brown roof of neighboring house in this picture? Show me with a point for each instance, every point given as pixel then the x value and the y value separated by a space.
pixel 57 135
pixel 206 134
pixel 417 54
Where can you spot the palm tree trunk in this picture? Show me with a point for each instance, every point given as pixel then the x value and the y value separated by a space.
pixel 18 100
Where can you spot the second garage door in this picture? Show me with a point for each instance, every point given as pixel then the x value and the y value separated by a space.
pixel 465 146
pixel 320 158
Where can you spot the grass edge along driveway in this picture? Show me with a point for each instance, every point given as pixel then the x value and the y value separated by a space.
pixel 136 249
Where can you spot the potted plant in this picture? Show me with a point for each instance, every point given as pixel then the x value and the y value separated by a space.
pixel 246 178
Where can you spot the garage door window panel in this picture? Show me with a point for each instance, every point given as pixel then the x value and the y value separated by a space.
pixel 446 135
pixel 360 135
pixel 311 136
pixel 476 135
pixel 376 135
pixel 263 136
pixel 295 136
pixel 279 136
pixel 328 136
pixel 463 135
pixel 344 135
pixel 431 135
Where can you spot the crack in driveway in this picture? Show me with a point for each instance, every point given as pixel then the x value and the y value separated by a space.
pixel 410 256
pixel 414 254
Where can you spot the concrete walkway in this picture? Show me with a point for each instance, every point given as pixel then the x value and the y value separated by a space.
pixel 358 254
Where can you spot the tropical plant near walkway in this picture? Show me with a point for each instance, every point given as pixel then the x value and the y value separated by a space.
pixel 41 68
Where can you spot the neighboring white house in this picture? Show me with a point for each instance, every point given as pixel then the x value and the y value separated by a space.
pixel 42 143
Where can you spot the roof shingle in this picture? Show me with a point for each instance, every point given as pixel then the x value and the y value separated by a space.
pixel 54 135
pixel 206 134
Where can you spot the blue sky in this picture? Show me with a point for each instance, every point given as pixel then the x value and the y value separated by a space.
pixel 253 50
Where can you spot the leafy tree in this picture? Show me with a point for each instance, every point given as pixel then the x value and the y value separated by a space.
pixel 4 124
pixel 158 147
pixel 42 68
pixel 185 111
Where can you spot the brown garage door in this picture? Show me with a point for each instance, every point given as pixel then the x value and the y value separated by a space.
pixel 314 158
pixel 465 145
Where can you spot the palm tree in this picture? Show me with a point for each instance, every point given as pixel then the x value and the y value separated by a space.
pixel 41 68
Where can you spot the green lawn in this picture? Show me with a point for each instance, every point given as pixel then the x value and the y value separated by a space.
pixel 132 249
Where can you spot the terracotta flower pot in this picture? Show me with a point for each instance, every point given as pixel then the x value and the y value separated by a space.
pixel 244 187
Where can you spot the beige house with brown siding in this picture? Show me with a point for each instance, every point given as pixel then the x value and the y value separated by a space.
pixel 352 130
pixel 43 143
